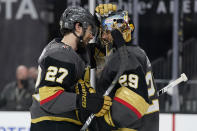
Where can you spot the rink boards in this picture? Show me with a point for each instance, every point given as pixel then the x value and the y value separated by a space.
pixel 20 121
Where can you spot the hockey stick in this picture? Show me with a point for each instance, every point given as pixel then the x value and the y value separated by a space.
pixel 182 78
pixel 123 58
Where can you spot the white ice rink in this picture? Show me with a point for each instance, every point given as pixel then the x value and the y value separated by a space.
pixel 20 121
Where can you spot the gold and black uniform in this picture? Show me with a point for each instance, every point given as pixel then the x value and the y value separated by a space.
pixel 135 102
pixel 60 67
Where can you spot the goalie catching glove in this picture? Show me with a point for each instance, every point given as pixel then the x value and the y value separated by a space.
pixel 89 101
pixel 105 9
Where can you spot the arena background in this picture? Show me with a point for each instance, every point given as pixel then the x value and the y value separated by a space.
pixel 26 26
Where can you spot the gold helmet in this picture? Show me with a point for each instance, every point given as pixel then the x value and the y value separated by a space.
pixel 118 20
pixel 110 19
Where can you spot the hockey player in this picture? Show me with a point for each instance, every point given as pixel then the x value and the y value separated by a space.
pixel 135 102
pixel 58 99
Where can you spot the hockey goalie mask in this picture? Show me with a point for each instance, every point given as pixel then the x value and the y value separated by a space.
pixel 118 20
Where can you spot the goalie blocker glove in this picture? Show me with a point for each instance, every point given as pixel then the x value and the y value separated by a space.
pixel 118 39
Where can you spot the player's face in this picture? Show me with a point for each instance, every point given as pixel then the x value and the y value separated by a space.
pixel 106 37
pixel 88 35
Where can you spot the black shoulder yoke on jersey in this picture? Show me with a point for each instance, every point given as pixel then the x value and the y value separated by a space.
pixel 60 55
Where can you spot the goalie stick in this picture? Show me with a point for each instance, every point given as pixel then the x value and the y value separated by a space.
pixel 182 78
pixel 123 58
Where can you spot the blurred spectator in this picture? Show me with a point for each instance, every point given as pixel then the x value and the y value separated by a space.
pixel 32 73
pixel 17 95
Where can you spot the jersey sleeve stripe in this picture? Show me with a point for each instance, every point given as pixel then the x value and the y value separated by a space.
pixel 51 97
pixel 132 100
pixel 129 106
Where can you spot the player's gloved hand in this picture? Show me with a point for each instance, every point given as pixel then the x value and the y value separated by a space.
pixel 105 9
pixel 118 39
pixel 88 100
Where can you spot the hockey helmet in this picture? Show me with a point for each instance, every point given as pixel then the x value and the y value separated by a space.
pixel 118 20
pixel 76 14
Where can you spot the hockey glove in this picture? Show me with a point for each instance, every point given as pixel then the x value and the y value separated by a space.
pixel 118 39
pixel 91 102
pixel 105 9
